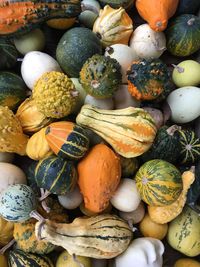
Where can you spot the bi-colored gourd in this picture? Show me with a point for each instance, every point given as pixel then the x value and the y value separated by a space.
pixel 157 12
pixel 129 131
pixel 102 236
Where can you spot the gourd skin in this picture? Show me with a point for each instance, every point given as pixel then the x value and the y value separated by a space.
pixel 6 232
pixel 102 237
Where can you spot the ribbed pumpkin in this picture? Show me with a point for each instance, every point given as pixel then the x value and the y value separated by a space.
pixel 6 232
pixel 56 175
pixel 159 182
pixel 113 26
pixel 67 140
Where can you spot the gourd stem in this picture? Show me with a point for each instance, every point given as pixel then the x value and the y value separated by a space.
pixel 44 194
pixel 37 216
pixel 172 129
pixel 130 224
pixel 3 249
pixel 44 204
pixel 20 59
pixel 159 24
pixel 109 50
pixel 77 261
pixel 192 169
pixel 178 68
pixel 191 21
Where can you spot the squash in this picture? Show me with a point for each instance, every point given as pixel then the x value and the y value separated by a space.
pixel 65 259
pixel 147 79
pixel 18 258
pixel 37 147
pixel 6 157
pixel 167 213
pixel 3 261
pixel 6 232
pixel 183 36
pixel 186 262
pixel 188 7
pixel 129 166
pixel 156 114
pixel 31 119
pixel 100 76
pixel 157 12
pixel 184 233
pixel 123 99
pixel 20 17
pixel 119 28
pixel 106 103
pixel 67 140
pixel 71 200
pixel 61 23
pixel 56 175
pixel 75 47
pixel 97 190
pixel 81 96
pixel 103 236
pixel 8 53
pixel 89 213
pixel 134 216
pixel 126 4
pixel 159 182
pixel 121 128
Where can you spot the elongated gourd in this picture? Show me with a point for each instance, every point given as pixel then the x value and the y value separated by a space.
pixel 104 236
pixel 130 131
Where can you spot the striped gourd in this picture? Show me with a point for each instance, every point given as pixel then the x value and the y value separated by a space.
pixel 159 182
pixel 130 131
pixel 56 175
pixel 18 258
pixel 67 139
pixel 102 236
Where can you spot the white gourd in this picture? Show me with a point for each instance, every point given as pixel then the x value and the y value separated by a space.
pixel 99 103
pixel 123 99
pixel 71 200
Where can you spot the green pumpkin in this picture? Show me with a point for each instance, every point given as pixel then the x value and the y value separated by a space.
pixel 8 54
pixel 100 76
pixel 56 175
pixel 183 35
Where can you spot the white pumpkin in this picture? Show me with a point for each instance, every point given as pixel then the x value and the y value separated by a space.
pixel 123 99
pixel 6 157
pixel 81 96
pixel 134 216
pixel 124 55
pixel 147 43
pixel 184 104
pixel 143 252
pixel 99 103
pixel 71 200
pixel 126 197
pixel 9 175
pixel 34 64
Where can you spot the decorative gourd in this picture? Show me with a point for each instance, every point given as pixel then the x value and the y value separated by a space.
pixel 167 213
pixel 20 17
pixel 6 232
pixel 183 36
pixel 123 99
pixel 157 12
pixel 11 134
pixel 129 166
pixel 186 262
pixel 106 103
pixel 6 157
pixel 184 233
pixel 147 79
pixel 56 175
pixel 166 145
pixel 65 259
pixel 31 119
pixel 126 4
pixel 54 94
pixel 3 261
pixel 100 76
pixel 147 43
pixel 81 96
pixel 103 236
pixel 18 258
pixel 37 147
pixel 90 213
pixel 73 50
pixel 134 216
pixel 129 131
pixel 98 189
pixel 159 182
pixel 61 24
pixel 156 114
pixel 67 140
pixel 8 53
pixel 143 252
pixel 119 28
pixel 71 200
pixel 188 7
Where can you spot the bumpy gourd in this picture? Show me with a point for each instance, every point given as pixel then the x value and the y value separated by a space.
pixel 130 131
pixel 103 236
pixel 54 94
pixel 12 137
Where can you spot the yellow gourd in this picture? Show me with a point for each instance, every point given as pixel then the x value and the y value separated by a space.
pixel 186 262
pixel 61 23
pixel 3 261
pixel 6 232
pixel 66 260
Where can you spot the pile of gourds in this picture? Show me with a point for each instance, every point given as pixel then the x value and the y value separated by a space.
pixel 100 133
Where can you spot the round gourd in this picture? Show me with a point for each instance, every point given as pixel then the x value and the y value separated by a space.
pixel 75 47
pixel 99 103
pixel 36 63
pixel 129 166
pixel 3 261
pixel 6 232
pixel 71 200
pixel 134 216
pixel 6 157
pixel 156 114
pixel 183 36
pixel 123 99
pixel 8 54
pixel 66 260
pixel 186 73
pixel 158 182
pixel 186 262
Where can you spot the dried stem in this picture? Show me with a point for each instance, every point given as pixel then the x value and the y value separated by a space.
pixel 3 249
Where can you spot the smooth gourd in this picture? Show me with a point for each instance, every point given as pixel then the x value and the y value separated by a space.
pixel 186 262
pixel 6 232
pixel 6 157
pixel 123 99
pixel 90 11
pixel 65 260
pixel 99 103
pixel 81 96
pixel 3 261
pixel 72 199
pixel 134 216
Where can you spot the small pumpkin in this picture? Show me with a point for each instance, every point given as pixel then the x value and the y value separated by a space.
pixel 113 26
pixel 6 232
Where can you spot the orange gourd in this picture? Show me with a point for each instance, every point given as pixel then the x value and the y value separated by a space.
pixel 157 12
pixel 99 175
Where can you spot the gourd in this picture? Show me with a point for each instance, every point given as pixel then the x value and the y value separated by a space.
pixel 100 76
pixel 186 262
pixel 71 200
pixel 119 28
pixel 6 157
pixel 147 43
pixel 8 53
pixel 6 232
pixel 81 96
pixel 65 259
pixel 106 103
pixel 156 13
pixel 20 17
pixel 158 182
pixel 37 147
pixel 67 139
pixel 121 128
pixel 103 236
pixel 123 99
pixel 144 252
pixel 90 213
pixel 129 166
pixel 126 4
pixel 184 233
pixel 72 50
pixel 188 7
pixel 147 79
pixel 61 23
pixel 156 114
pixel 183 37
pixel 3 261
pixel 97 190
pixel 134 216
pixel 167 213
